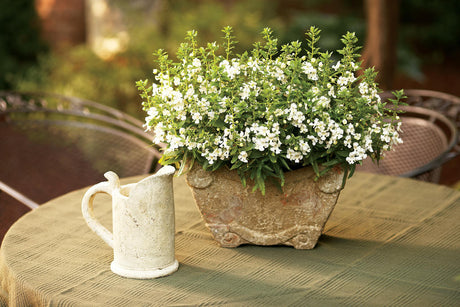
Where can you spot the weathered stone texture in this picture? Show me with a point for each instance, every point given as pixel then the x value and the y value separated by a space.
pixel 236 215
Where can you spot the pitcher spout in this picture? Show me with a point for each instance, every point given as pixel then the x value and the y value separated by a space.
pixel 162 177
pixel 167 170
pixel 158 185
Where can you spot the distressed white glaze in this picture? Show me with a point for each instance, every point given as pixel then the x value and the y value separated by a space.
pixel 143 224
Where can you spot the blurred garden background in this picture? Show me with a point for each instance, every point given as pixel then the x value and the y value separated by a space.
pixel 98 49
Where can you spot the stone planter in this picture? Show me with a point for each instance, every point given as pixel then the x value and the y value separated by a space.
pixel 235 215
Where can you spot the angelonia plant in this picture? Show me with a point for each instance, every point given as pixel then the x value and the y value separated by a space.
pixel 269 110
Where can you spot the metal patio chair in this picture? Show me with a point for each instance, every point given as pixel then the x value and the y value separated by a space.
pixel 52 144
pixel 429 139
pixel 446 104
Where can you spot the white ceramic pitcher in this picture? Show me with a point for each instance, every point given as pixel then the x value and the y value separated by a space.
pixel 143 224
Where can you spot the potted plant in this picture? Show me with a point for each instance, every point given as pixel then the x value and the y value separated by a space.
pixel 268 137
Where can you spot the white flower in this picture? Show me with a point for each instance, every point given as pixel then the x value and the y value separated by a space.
pixel 155 89
pixel 336 66
pixel 166 92
pixel 363 88
pixel 176 81
pixel 253 64
pixel 304 147
pixel 166 113
pixel 294 155
pixel 159 133
pixel 243 157
pixel 196 62
pixel 358 154
pixel 313 139
pixel 347 141
pixel 323 101
pixel 278 112
pixel 211 114
pixel 190 92
pixel 297 117
pixel 346 79
pixel 332 92
pixel 174 142
pixel 336 133
pixel 228 118
pixel 342 81
pixel 315 90
pixel 203 89
pixel 231 70
pixel 197 117
pixel 152 114
pixel 245 92
pixel 278 73
pixel 310 71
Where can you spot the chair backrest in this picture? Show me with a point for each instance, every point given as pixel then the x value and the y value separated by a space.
pixel 446 104
pixel 52 144
pixel 428 137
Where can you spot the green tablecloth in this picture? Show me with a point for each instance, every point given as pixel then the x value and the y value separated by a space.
pixel 389 241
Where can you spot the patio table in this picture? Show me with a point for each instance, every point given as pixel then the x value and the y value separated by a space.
pixel 389 241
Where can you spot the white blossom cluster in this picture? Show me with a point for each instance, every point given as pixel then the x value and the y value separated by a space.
pixel 187 99
pixel 237 110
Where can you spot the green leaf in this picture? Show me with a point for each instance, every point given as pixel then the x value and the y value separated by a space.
pixel 216 165
pixel 352 170
pixel 243 181
pixel 182 164
pixel 236 165
pixel 285 165
pixel 314 165
pixel 268 168
pixel 345 175
pixel 260 184
pixel 259 170
pixel 342 153
pixel 325 171
pixel 255 154
pixel 331 162
pixel 219 123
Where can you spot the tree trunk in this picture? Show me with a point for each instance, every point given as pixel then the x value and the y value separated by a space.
pixel 381 39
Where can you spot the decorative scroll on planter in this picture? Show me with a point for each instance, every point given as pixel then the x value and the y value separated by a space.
pixel 236 215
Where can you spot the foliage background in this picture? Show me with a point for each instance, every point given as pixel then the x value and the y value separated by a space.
pixel 428 42
pixel 20 44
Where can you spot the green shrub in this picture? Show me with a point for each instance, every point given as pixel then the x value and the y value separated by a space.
pixel 79 72
pixel 20 42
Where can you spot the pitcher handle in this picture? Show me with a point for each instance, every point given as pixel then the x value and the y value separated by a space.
pixel 87 206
